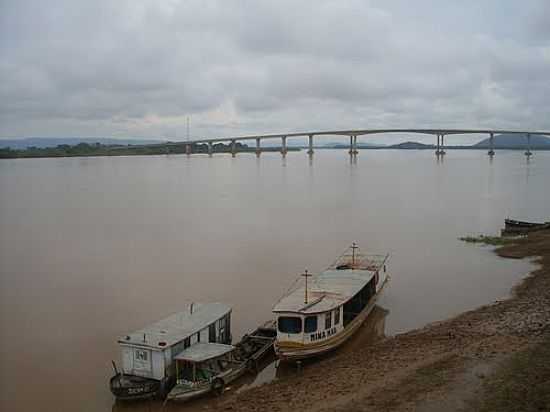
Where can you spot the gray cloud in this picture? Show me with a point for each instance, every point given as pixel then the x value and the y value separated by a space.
pixel 139 68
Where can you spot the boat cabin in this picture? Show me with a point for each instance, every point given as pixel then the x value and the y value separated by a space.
pixel 202 362
pixel 149 352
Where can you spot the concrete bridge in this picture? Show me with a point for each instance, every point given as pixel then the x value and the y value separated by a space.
pixel 352 134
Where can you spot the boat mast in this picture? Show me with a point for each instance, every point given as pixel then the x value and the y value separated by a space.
pixel 353 247
pixel 306 275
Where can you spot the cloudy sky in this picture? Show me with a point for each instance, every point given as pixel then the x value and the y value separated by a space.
pixel 138 68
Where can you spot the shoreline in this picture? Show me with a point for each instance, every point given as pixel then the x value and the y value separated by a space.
pixel 442 365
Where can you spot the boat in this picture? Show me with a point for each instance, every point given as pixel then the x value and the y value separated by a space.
pixel 313 321
pixel 511 223
pixel 512 226
pixel 148 365
pixel 256 345
pixel 208 367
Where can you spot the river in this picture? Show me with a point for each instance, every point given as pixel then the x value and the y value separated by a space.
pixel 91 248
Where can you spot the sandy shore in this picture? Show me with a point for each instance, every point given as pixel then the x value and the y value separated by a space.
pixel 441 366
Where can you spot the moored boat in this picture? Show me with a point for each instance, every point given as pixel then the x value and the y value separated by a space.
pixel 148 366
pixel 511 223
pixel 317 319
pixel 513 227
pixel 207 368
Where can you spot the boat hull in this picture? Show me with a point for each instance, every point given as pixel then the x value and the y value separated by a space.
pixel 129 387
pixel 293 351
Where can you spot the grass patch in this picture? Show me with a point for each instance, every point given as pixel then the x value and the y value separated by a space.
pixel 488 240
pixel 521 384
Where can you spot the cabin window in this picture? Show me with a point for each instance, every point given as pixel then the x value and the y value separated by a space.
pixel 310 324
pixel 186 343
pixel 223 327
pixel 328 320
pixel 337 316
pixel 212 333
pixel 198 337
pixel 290 324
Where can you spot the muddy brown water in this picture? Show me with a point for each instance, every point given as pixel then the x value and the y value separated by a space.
pixel 91 248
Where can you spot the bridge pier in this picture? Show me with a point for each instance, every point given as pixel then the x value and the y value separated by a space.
pixel 233 148
pixel 258 147
pixel 353 145
pixel 187 149
pixel 491 151
pixel 440 147
pixel 310 145
pixel 528 151
pixel 210 149
pixel 283 146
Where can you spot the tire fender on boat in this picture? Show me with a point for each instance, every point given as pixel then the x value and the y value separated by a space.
pixel 218 386
pixel 251 365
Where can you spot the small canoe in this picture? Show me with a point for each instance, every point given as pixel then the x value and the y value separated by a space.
pixel 514 227
pixel 511 223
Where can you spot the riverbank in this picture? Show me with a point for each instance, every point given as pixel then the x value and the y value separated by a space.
pixel 449 365
pixel 98 149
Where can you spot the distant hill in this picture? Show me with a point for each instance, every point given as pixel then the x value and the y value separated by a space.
pixel 515 141
pixel 411 145
pixel 340 145
pixel 43 142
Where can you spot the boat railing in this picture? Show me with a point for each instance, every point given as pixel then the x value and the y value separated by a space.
pixel 355 260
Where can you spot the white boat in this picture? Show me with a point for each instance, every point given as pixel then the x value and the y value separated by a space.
pixel 148 365
pixel 316 319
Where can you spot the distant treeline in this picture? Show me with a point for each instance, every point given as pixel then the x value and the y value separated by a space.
pixel 98 149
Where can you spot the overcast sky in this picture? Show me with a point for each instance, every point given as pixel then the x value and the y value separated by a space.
pixel 138 68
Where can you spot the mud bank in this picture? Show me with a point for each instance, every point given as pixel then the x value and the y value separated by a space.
pixel 441 366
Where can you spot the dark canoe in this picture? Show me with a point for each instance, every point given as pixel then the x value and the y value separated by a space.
pixel 130 387
pixel 511 223
pixel 519 227
pixel 254 346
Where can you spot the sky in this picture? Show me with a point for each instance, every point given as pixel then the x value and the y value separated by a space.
pixel 140 68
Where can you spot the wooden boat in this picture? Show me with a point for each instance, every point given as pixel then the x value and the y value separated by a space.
pixel 512 226
pixel 511 223
pixel 256 345
pixel 312 321
pixel 148 366
pixel 209 367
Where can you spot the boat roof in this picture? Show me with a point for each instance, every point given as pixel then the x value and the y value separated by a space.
pixel 200 352
pixel 333 287
pixel 176 327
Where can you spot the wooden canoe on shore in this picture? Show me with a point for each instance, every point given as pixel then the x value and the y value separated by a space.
pixel 512 227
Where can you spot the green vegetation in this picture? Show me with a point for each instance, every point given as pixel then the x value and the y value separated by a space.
pixel 488 240
pixel 521 384
pixel 98 149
